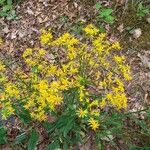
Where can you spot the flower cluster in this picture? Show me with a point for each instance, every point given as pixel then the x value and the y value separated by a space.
pixel 95 68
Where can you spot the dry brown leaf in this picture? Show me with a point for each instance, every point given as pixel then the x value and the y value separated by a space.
pixel 120 28
pixel 145 60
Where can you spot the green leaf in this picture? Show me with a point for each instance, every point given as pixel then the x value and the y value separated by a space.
pixel 35 69
pixel 142 10
pixel 148 113
pixel 3 135
pixel 48 126
pixel 9 2
pixel 140 7
pixel 22 113
pixel 53 146
pixel 33 140
pixel 142 13
pixel 2 2
pixel 3 14
pixel 98 6
pixel 6 8
pixel 109 19
pixel 103 30
pixel 65 145
pixel 68 127
pixel 106 12
pixel 24 117
pixel 20 138
pixel 77 29
pixel 12 15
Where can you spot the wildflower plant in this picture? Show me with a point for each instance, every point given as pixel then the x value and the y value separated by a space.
pixel 70 79
pixel 6 9
pixel 105 14
pixel 142 11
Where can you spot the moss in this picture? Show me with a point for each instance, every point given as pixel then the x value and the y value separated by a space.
pixel 130 19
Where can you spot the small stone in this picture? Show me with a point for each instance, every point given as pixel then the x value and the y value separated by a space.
pixel 42 19
pixel 75 4
pixel 137 33
pixel 148 20
pixel 29 11
pixel 14 34
pixel 5 30
pixel 120 28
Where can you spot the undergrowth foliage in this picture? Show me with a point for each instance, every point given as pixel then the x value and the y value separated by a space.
pixel 92 72
pixel 74 82
pixel 7 10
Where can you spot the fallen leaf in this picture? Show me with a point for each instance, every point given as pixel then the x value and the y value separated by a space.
pixel 11 48
pixel 145 60
pixel 29 11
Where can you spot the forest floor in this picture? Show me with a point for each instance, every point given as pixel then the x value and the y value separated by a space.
pixel 65 15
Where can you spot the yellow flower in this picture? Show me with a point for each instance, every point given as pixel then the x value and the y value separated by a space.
pixel 12 90
pixel 43 85
pixel 73 70
pixel 27 52
pixel 95 112
pixel 116 46
pixel 119 59
pixel 125 71
pixel 97 43
pixel 82 113
pixel 103 103
pixel 119 87
pixel 39 115
pixel 90 69
pixel 3 78
pixel 97 74
pixel 64 84
pixel 91 30
pixel 46 37
pixel 7 110
pixel 41 52
pixel 51 70
pixel 66 39
pixel 93 103
pixel 117 99
pixel 2 67
pixel 81 93
pixel 30 62
pixel 93 123
pixel 71 55
pixel 55 84
pixel 30 103
pixel 127 76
